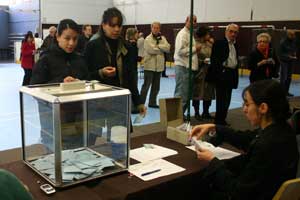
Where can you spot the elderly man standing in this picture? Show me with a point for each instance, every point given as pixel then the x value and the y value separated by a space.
pixel 287 56
pixel 224 71
pixel 155 45
pixel 50 39
pixel 181 60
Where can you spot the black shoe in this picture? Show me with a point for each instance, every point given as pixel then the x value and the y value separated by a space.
pixel 207 116
pixel 153 106
pixel 165 76
pixel 289 94
pixel 198 117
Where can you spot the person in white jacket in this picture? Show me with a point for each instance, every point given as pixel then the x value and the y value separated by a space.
pixel 181 61
pixel 155 45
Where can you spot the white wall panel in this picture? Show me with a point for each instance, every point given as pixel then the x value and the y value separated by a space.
pixel 175 11
pixel 276 10
pixel 83 12
pixel 228 10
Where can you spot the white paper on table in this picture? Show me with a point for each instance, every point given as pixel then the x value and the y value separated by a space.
pixel 165 167
pixel 143 154
pixel 219 152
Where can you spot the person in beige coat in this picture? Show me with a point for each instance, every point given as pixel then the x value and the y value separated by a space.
pixel 155 45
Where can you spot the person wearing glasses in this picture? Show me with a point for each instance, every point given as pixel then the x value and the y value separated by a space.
pixel 263 61
pixel 223 71
pixel 270 152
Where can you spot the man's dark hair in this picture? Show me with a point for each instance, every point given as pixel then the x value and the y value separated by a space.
pixel 202 31
pixel 85 25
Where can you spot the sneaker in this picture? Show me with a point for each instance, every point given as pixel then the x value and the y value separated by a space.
pixel 153 106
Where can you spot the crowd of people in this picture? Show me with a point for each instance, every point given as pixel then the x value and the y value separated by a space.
pixel 215 63
pixel 68 56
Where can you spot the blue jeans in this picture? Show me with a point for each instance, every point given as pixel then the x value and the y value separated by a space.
pixel 182 85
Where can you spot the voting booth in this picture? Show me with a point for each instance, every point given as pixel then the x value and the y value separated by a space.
pixel 75 132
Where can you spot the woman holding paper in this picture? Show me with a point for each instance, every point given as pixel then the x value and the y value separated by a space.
pixel 271 154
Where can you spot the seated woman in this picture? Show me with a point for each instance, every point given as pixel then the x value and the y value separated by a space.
pixel 271 154
pixel 263 61
pixel 61 64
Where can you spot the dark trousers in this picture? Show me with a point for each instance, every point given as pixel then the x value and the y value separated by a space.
pixel 150 79
pixel 206 105
pixel 223 98
pixel 286 75
pixel 163 74
pixel 27 76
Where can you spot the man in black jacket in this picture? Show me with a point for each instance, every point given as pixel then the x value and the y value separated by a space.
pixel 287 56
pixel 84 38
pixel 224 71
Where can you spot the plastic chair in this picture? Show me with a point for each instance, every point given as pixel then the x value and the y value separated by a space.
pixel 295 121
pixel 289 190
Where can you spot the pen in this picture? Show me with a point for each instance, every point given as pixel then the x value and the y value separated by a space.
pixel 151 172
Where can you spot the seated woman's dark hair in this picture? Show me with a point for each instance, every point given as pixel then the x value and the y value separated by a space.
pixel 274 95
pixel 66 24
pixel 202 31
pixel 110 13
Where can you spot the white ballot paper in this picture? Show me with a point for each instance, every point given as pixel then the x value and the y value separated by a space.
pixel 144 154
pixel 154 169
pixel 219 152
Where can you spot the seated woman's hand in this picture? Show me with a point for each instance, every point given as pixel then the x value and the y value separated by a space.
pixel 205 156
pixel 201 130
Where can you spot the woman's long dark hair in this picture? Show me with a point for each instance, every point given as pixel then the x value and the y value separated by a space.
pixel 274 95
pixel 109 14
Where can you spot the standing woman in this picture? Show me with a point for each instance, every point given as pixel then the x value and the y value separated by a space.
pixel 263 61
pixel 203 90
pixel 60 64
pixel 107 57
pixel 27 59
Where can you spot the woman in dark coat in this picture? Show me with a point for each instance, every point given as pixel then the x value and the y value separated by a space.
pixel 60 64
pixel 108 59
pixel 271 154
pixel 263 62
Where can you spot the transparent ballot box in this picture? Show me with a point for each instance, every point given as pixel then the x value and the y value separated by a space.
pixel 75 132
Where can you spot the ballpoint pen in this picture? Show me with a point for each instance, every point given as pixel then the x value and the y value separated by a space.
pixel 150 172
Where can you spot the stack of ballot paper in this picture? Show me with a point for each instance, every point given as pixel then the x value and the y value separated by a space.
pixel 76 164
pixel 218 152
pixel 152 165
